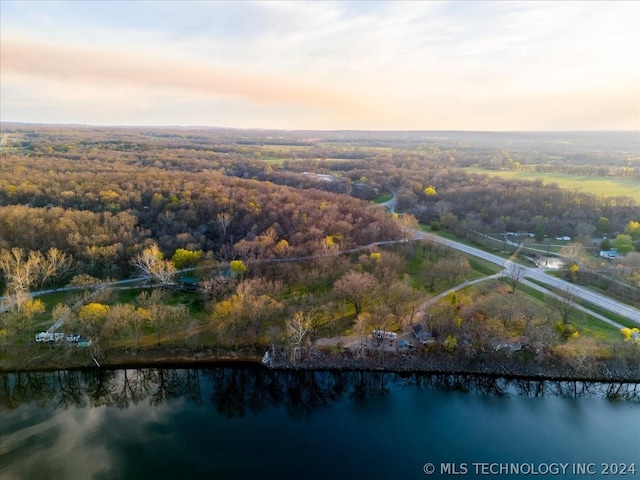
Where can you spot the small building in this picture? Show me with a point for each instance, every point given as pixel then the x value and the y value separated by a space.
pixel 609 254
pixel 189 284
pixel 422 334
pixel 514 344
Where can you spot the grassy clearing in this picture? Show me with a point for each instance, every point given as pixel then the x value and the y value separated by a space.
pixel 550 244
pixel 482 266
pixel 594 308
pixel 587 325
pixel 383 197
pixel 201 331
pixel 453 237
pixel 606 186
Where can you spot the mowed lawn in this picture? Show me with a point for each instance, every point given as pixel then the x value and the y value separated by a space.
pixel 607 186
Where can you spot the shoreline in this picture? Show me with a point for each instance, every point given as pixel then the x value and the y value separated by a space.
pixel 610 371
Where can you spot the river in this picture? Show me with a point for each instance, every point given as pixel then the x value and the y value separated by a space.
pixel 244 422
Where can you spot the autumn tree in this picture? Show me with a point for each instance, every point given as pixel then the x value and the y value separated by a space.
pixel 54 265
pixel 633 230
pixel 387 267
pixel 453 268
pixel 120 319
pixel 356 288
pixel 431 191
pixel 90 287
pixel 282 249
pixel 623 244
pixel 152 264
pixel 158 313
pixel 362 328
pixel 186 258
pixel 573 254
pixel 462 268
pixel 20 269
pixel 399 297
pixel 230 318
pixel 238 267
pixel 581 354
pixel 428 244
pixel 318 311
pixel 432 273
pixel 63 314
pixel 408 224
pixel 258 304
pixel 92 318
pixel 133 322
pixel 563 304
pixel 224 220
pixel 381 318
pixel 20 321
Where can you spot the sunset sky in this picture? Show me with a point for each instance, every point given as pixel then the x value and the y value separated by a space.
pixel 323 65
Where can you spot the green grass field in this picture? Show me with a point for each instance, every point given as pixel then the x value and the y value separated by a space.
pixel 383 197
pixel 587 325
pixel 607 186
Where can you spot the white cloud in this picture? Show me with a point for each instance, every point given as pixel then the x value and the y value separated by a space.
pixel 357 64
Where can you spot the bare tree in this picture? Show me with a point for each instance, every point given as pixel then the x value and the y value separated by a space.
pixel 258 303
pixel 432 273
pixel 400 297
pixel 408 223
pixel 453 268
pixel 429 245
pixel 224 220
pixel 297 329
pixel 563 304
pixel 152 263
pixel 158 313
pixel 20 268
pixel 54 265
pixel 515 273
pixel 356 287
pixel 574 254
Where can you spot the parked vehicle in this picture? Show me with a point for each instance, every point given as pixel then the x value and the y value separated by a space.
pixel 383 335
pixel 49 337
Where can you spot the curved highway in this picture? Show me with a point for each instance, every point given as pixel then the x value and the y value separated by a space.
pixel 630 313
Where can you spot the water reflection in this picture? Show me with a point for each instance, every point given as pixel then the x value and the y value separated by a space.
pixel 234 391
pixel 246 422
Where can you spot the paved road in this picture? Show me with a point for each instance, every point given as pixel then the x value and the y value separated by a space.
pixel 535 286
pixel 541 276
pixel 391 203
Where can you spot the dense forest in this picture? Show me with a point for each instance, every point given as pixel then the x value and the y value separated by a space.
pixel 100 195
pixel 82 205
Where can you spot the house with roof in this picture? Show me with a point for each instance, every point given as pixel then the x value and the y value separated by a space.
pixel 422 334
pixel 609 254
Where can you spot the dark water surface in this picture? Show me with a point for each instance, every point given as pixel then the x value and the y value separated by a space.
pixel 246 423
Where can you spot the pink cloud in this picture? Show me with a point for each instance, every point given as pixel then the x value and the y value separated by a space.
pixel 83 65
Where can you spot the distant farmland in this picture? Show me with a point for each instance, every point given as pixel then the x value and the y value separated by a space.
pixel 607 186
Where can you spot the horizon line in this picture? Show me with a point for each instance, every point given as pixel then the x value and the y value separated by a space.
pixel 267 129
